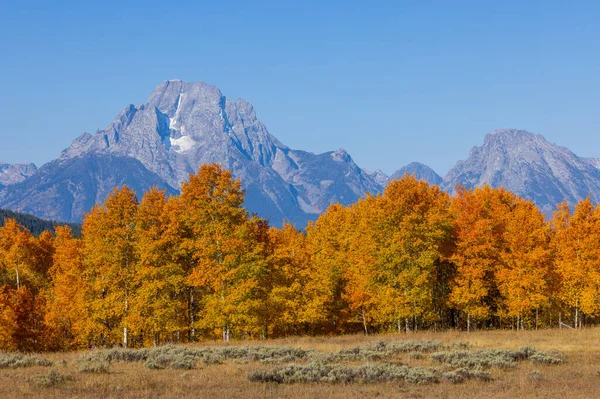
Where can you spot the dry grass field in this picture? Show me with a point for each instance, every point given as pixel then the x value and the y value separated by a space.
pixel 388 366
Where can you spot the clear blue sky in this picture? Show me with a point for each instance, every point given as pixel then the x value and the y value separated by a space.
pixel 391 82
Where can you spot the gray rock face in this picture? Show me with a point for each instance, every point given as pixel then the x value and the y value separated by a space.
pixel 531 167
pixel 11 174
pixel 182 126
pixel 420 171
pixel 379 177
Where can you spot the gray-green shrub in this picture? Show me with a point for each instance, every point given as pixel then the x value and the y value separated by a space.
pixel 337 373
pixel 500 358
pixel 52 379
pixel 16 360
pixel 463 374
pixel 552 357
pixel 94 367
pixel 187 358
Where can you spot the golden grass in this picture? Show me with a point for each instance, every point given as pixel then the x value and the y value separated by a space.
pixel 577 378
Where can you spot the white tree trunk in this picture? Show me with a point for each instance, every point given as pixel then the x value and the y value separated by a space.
pixel 18 280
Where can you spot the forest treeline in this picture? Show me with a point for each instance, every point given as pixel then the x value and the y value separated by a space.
pixel 198 265
pixel 34 224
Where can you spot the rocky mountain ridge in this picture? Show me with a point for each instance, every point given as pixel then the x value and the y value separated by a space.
pixel 186 124
pixel 15 173
pixel 530 166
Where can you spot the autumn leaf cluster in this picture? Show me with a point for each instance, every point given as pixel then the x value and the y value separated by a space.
pixel 198 265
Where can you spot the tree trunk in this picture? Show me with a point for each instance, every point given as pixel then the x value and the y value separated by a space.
pixel 364 320
pixel 560 320
pixel 522 323
pixel 226 333
pixel 125 311
pixel 192 316
pixel 468 322
pixel 18 280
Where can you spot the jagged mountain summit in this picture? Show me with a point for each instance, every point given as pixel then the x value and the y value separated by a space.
pixel 15 173
pixel 530 166
pixel 182 126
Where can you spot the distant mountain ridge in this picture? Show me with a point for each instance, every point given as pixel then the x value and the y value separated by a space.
pixel 420 171
pixel 531 167
pixel 186 124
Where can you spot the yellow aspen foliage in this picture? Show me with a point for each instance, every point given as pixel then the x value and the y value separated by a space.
pixel 524 277
pixel 328 244
pixel 289 259
pixel 416 241
pixel 159 279
pixel 362 294
pixel 109 260
pixel 198 265
pixel 225 250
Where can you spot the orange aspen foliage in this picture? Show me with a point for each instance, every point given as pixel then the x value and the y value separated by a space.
pixel 67 315
pixel 577 243
pixel 480 222
pixel 8 319
pixel 23 261
pixel 21 314
pixel 361 293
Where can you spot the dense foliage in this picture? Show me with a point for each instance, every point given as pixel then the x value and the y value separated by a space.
pixel 197 265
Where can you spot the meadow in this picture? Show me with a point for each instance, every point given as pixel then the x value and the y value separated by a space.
pixel 493 364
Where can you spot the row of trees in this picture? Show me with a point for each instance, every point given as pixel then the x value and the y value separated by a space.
pixel 197 265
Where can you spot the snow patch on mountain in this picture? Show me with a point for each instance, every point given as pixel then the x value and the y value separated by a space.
pixel 183 144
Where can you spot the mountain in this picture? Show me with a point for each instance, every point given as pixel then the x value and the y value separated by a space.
pixel 420 171
pixel 186 124
pixel 64 189
pixel 11 174
pixel 531 167
pixel 161 142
